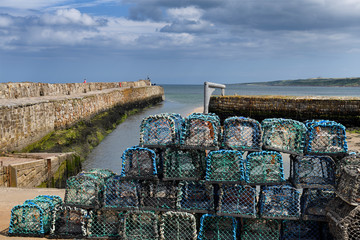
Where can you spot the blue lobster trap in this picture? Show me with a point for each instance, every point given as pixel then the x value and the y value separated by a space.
pixel 139 163
pixel 33 217
pixel 158 195
pixel 217 227
pixel 325 137
pixel 197 197
pixel 69 222
pixel 348 188
pixel 225 166
pixel 177 226
pixel 201 131
pixel 56 200
pixel 107 224
pixel 184 164
pixel 260 229
pixel 241 133
pixel 314 202
pixel 237 201
pixel 140 225
pixel 279 202
pixel 161 130
pixel 121 194
pixel 283 135
pixel 301 230
pixel 312 171
pixel 264 168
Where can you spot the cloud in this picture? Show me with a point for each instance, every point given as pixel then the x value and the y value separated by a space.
pixel 69 16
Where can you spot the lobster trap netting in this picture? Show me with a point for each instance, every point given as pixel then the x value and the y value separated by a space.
pixel 140 225
pixel 99 172
pixel 279 202
pixel 283 135
pixel 325 137
pixel 352 159
pixel 139 163
pixel 105 224
pixel 184 164
pixel 314 202
pixel 344 220
pixel 217 227
pixel 55 200
pixel 237 201
pixel 178 226
pixel 121 194
pixel 84 190
pixel 195 197
pixel 69 222
pixel 201 131
pixel 158 195
pixel 264 167
pixel 300 230
pixel 161 130
pixel 348 187
pixel 225 166
pixel 242 133
pixel 260 229
pixel 312 171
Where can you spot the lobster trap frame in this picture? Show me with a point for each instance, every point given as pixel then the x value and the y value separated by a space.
pixel 283 135
pixel 140 225
pixel 325 137
pixel 107 224
pixel 241 133
pixel 348 188
pixel 217 227
pixel 279 202
pixel 237 201
pixel 196 197
pixel 312 171
pixel 158 195
pixel 177 226
pixel 260 229
pixel 314 201
pixel 225 166
pixel 264 168
pixel 301 230
pixel 161 130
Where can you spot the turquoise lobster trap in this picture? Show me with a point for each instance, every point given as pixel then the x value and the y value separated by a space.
pixel 260 229
pixel 314 201
pixel 217 227
pixel 225 166
pixel 177 226
pixel 312 171
pixel 158 195
pixel 201 131
pixel 184 164
pixel 348 188
pixel 237 201
pixel 283 135
pixel 301 230
pixel 107 224
pixel 325 137
pixel 279 202
pixel 264 168
pixel 139 163
pixel 241 133
pixel 121 194
pixel 140 225
pixel 196 197
pixel 161 130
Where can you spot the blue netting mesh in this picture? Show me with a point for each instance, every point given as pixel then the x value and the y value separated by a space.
pixel 217 227
pixel 184 164
pixel 301 230
pixel 161 130
pixel 237 200
pixel 158 195
pixel 283 135
pixel 201 131
pixel 177 226
pixel 279 202
pixel 105 224
pixel 242 133
pixel 349 184
pixel 225 166
pixel 314 201
pixel 195 197
pixel 141 225
pixel 264 167
pixel 325 137
pixel 260 229
pixel 139 163
pixel 312 171
pixel 121 194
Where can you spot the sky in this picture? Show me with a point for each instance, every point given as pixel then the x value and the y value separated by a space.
pixel 178 41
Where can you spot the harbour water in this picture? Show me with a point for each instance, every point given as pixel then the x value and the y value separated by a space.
pixel 183 99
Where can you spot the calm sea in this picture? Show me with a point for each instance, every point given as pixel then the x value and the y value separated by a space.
pixel 183 99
